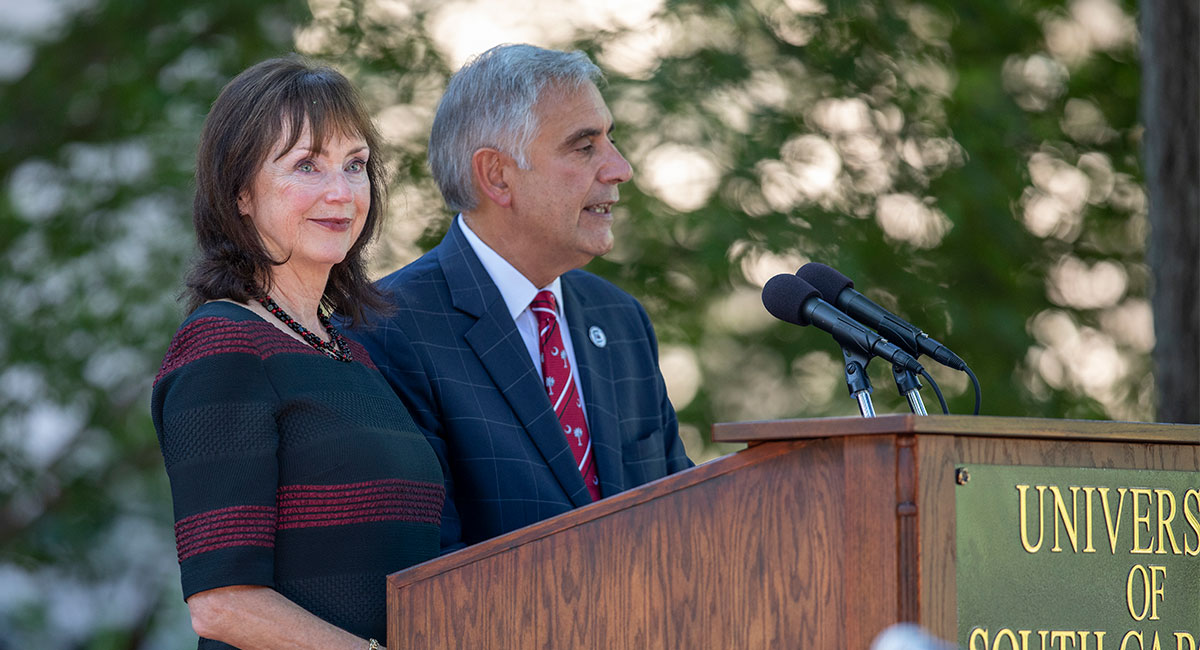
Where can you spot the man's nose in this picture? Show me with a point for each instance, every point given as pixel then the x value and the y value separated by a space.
pixel 615 169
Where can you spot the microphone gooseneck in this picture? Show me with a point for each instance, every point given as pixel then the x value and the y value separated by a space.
pixel 792 299
pixel 839 290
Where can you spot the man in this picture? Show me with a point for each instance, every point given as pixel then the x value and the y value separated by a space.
pixel 521 147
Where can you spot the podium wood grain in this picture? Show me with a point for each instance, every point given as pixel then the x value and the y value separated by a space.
pixel 819 535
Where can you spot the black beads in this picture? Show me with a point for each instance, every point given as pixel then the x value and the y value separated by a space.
pixel 336 348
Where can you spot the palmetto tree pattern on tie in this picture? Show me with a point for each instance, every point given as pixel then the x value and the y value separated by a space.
pixel 560 387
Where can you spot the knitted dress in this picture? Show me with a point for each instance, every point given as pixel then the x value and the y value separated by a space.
pixel 290 469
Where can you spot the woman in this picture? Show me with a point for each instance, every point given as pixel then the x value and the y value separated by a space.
pixel 298 478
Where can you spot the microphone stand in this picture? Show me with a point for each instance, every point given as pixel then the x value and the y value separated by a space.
pixel 909 385
pixel 857 380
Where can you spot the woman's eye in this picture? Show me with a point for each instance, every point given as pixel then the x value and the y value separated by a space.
pixel 306 166
pixel 357 166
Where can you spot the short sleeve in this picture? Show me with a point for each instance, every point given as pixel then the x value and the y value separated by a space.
pixel 214 411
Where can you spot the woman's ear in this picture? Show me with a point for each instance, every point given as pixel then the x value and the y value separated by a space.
pixel 243 203
pixel 488 166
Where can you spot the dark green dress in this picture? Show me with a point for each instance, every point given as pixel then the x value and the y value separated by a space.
pixel 290 469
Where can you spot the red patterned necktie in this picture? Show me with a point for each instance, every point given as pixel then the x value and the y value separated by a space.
pixel 560 386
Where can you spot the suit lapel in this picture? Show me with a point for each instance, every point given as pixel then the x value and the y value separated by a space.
pixel 495 340
pixel 596 379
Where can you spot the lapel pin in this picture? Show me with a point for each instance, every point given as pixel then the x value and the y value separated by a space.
pixel 597 336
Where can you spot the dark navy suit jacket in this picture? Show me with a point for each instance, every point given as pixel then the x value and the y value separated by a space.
pixel 453 354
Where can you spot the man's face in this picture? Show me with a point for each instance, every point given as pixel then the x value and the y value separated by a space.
pixel 563 202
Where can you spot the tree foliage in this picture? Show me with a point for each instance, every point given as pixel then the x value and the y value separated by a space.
pixel 99 137
pixel 972 166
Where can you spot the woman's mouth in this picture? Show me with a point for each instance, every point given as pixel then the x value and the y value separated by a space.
pixel 335 224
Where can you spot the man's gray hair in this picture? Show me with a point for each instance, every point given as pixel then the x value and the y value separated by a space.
pixel 489 103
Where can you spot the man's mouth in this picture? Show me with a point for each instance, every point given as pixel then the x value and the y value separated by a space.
pixel 604 208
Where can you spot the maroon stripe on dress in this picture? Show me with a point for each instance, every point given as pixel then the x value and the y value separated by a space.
pixel 360 353
pixel 225 528
pixel 362 488
pixel 311 509
pixel 310 506
pixel 227 541
pixel 192 541
pixel 212 335
pixel 229 544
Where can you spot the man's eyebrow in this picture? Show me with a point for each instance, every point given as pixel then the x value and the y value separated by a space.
pixel 587 132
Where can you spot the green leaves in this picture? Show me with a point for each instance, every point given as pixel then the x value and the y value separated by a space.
pixel 972 166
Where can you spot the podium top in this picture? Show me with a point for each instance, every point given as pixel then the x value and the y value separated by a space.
pixel 957 425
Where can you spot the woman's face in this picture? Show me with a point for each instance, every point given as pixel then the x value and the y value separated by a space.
pixel 310 208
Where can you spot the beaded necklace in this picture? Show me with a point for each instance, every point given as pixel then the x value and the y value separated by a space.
pixel 336 348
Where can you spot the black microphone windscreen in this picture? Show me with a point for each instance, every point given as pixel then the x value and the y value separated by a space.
pixel 784 295
pixel 827 280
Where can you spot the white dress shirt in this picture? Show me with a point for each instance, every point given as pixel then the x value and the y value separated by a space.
pixel 518 292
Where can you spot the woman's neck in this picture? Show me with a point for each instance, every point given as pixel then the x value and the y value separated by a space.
pixel 300 298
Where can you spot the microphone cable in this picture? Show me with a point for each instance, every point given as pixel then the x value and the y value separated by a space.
pixel 975 383
pixel 937 391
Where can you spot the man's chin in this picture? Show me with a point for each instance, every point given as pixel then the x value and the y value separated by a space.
pixel 592 251
pixel 600 246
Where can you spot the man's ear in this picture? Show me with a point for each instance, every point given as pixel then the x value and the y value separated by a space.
pixel 488 166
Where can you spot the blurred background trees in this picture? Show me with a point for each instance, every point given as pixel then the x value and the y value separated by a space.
pixel 973 166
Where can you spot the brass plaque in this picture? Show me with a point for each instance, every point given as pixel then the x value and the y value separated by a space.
pixel 1077 559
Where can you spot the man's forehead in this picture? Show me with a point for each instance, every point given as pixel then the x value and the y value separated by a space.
pixel 563 100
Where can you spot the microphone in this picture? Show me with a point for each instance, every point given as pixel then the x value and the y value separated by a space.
pixel 838 289
pixel 790 298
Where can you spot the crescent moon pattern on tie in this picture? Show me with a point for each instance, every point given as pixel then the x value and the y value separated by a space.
pixel 561 389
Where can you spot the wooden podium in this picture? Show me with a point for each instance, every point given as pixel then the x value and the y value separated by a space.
pixel 820 534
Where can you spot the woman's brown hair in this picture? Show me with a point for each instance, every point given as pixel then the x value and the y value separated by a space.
pixel 269 99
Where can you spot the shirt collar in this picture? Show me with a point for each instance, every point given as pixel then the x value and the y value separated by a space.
pixel 515 288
